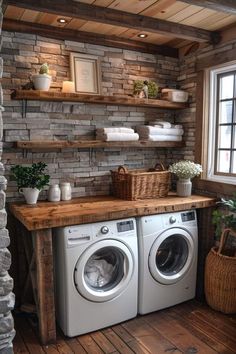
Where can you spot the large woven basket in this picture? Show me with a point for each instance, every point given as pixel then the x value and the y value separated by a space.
pixel 220 276
pixel 140 184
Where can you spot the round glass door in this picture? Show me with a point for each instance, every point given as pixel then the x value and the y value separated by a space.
pixel 103 270
pixel 171 256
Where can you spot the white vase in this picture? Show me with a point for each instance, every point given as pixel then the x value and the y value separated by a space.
pixel 184 187
pixel 30 194
pixel 41 82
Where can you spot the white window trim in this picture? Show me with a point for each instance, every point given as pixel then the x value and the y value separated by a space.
pixel 210 86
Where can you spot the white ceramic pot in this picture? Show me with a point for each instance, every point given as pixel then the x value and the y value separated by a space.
pixel 41 82
pixel 30 194
pixel 184 187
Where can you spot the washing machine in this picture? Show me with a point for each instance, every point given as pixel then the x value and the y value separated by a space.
pixel 96 275
pixel 168 247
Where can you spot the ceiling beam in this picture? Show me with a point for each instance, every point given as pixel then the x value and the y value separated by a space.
pixel 87 37
pixel 228 6
pixel 113 17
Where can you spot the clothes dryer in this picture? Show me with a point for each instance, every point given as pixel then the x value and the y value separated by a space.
pixel 168 246
pixel 96 274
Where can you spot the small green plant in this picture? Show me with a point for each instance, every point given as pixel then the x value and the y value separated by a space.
pixel 226 217
pixel 152 89
pixel 30 176
pixel 44 69
pixel 138 86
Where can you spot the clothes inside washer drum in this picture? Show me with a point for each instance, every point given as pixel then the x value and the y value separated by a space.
pixel 98 272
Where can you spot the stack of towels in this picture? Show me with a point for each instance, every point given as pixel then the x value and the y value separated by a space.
pixel 160 131
pixel 116 134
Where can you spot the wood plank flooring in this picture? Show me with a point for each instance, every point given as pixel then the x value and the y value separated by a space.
pixel 188 328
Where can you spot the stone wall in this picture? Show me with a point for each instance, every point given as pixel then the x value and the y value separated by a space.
pixel 88 171
pixel 7 298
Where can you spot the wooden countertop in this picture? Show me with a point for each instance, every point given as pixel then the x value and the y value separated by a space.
pixel 45 214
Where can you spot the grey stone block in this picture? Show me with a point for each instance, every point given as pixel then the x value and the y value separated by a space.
pixel 4 238
pixel 6 285
pixel 7 303
pixel 5 260
pixel 3 218
pixel 2 169
pixel 2 200
pixel 6 341
pixel 3 183
pixel 6 323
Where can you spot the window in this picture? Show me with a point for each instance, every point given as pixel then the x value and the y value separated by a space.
pixel 220 88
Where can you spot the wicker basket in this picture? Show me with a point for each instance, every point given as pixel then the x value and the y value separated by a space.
pixel 140 184
pixel 220 276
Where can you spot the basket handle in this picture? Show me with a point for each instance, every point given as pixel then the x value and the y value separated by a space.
pixel 122 169
pixel 223 238
pixel 159 167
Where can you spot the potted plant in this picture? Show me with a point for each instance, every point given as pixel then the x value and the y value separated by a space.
pixel 30 180
pixel 225 217
pixel 138 86
pixel 42 80
pixel 185 170
pixel 152 89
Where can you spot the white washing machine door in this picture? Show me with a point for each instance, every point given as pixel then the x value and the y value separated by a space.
pixel 171 256
pixel 104 270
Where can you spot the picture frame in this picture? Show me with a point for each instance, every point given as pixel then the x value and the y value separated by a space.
pixel 86 73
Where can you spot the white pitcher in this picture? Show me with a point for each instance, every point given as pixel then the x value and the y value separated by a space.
pixel 30 194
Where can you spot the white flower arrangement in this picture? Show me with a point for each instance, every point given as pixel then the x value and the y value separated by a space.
pixel 185 169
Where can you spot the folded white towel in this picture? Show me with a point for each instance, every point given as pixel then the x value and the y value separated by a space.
pixel 118 137
pixel 163 124
pixel 177 126
pixel 114 130
pixel 147 129
pixel 164 137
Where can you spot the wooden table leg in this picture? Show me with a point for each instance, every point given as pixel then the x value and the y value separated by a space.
pixel 45 285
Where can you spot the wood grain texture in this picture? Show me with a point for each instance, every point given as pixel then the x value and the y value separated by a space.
pixel 91 209
pixel 76 97
pixel 45 285
pixel 64 144
pixel 187 328
pixel 87 37
pixel 117 18
pixel 228 6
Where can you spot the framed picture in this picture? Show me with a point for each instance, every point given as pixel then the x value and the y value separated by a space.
pixel 85 72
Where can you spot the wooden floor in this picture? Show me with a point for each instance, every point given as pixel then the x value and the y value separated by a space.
pixel 187 328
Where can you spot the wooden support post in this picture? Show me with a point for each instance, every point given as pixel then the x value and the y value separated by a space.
pixel 45 286
pixel 205 242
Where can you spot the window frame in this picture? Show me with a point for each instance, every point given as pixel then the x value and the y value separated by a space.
pixel 202 111
pixel 211 114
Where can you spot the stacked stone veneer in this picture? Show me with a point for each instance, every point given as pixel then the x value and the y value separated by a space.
pixel 7 299
pixel 88 171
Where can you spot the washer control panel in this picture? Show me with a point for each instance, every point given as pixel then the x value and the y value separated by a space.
pixel 188 216
pixel 104 230
pixel 124 226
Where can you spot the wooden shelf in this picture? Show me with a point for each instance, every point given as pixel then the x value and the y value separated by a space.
pixel 76 97
pixel 64 144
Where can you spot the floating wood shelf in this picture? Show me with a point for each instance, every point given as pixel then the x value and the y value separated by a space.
pixel 64 144
pixel 76 97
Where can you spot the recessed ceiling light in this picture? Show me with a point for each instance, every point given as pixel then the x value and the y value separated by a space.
pixel 62 20
pixel 142 35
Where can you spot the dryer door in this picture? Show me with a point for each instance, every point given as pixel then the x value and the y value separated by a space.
pixel 171 256
pixel 104 270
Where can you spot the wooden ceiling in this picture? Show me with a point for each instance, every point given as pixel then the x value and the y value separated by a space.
pixel 168 24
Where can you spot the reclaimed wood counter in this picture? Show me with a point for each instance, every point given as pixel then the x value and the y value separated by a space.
pixel 41 218
pixel 46 215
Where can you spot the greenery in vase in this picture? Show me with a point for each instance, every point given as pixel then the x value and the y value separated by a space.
pixel 185 169
pixel 30 176
pixel 225 218
pixel 152 89
pixel 138 86
pixel 44 69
